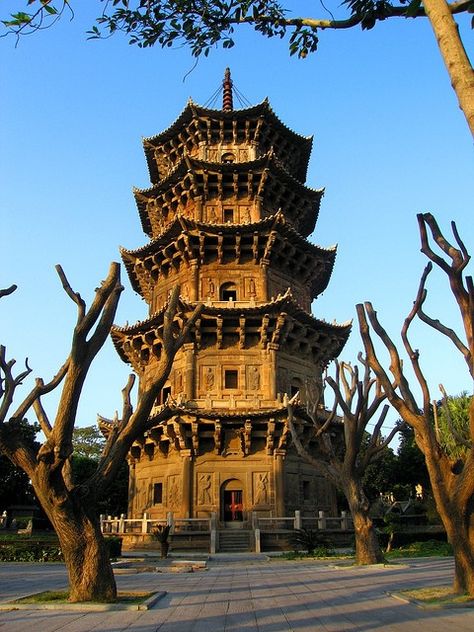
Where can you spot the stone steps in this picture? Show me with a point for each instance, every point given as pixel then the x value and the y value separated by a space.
pixel 237 541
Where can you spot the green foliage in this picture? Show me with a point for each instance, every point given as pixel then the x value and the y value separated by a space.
pixel 202 25
pixel 410 467
pixel 88 442
pixel 161 533
pixel 453 424
pixel 423 549
pixel 116 500
pixel 369 12
pixel 15 486
pixel 319 551
pixel 30 552
pixel 309 540
pixel 114 545
pixel 380 475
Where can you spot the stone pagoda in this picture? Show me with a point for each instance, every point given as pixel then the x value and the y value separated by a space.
pixel 228 215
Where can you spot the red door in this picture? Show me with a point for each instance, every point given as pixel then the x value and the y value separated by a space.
pixel 233 505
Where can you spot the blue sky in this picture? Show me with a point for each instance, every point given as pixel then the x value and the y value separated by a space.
pixel 389 142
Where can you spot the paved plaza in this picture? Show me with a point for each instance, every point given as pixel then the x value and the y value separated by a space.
pixel 249 596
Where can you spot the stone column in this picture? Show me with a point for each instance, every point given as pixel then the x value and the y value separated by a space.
pixel 187 478
pixel 189 370
pixel 272 370
pixel 264 266
pixel 198 209
pixel 131 487
pixel 194 280
pixel 278 473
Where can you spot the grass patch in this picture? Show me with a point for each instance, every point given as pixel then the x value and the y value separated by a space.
pixel 62 596
pixel 319 553
pixel 436 596
pixel 422 549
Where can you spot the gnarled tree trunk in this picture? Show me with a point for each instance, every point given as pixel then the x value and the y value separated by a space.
pixel 367 547
pixel 86 555
pixel 72 509
pixel 74 517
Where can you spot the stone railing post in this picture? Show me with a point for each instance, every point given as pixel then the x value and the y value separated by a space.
pixel 102 522
pixel 321 520
pixel 170 520
pixel 213 530
pixel 145 522
pixel 258 544
pixel 297 520
pixel 344 521
pixel 122 523
pixel 254 520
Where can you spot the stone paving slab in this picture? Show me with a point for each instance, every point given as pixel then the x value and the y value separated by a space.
pixel 245 596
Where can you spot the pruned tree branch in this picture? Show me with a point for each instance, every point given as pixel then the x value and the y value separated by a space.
pixel 464 294
pixel 8 290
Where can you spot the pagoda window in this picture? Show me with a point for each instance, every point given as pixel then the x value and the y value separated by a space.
pixel 228 157
pixel 295 387
pixel 306 490
pixel 228 291
pixel 163 396
pixel 158 493
pixel 228 215
pixel 231 379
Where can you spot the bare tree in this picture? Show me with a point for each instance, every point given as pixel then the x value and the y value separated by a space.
pixel 452 479
pixel 73 509
pixel 345 468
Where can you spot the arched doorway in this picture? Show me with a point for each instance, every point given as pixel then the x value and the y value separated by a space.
pixel 232 501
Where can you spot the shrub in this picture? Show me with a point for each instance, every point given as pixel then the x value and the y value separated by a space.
pixel 310 540
pixel 30 552
pixel 114 545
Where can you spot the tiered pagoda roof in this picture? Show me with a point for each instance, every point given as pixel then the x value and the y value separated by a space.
pixel 280 322
pixel 272 239
pixel 197 125
pixel 265 178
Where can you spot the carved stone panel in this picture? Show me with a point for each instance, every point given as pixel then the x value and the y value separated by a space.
pixel 253 378
pixel 205 489
pixel 209 379
pixel 174 494
pixel 233 443
pixel 261 486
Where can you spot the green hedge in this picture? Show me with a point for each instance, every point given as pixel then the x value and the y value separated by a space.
pixel 30 552
pixel 22 550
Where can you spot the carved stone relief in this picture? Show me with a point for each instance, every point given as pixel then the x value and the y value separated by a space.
pixel 205 489
pixel 253 378
pixel 178 384
pixel 174 492
pixel 233 443
pixel 260 487
pixel 209 378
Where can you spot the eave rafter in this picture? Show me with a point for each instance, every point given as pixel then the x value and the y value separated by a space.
pixel 281 323
pixel 258 125
pixel 192 179
pixel 272 239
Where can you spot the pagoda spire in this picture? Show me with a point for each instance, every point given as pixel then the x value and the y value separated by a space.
pixel 227 97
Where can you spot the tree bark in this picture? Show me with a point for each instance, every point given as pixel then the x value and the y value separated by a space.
pixel 85 552
pixel 454 55
pixel 367 547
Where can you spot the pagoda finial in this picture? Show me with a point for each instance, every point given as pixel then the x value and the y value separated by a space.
pixel 227 97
